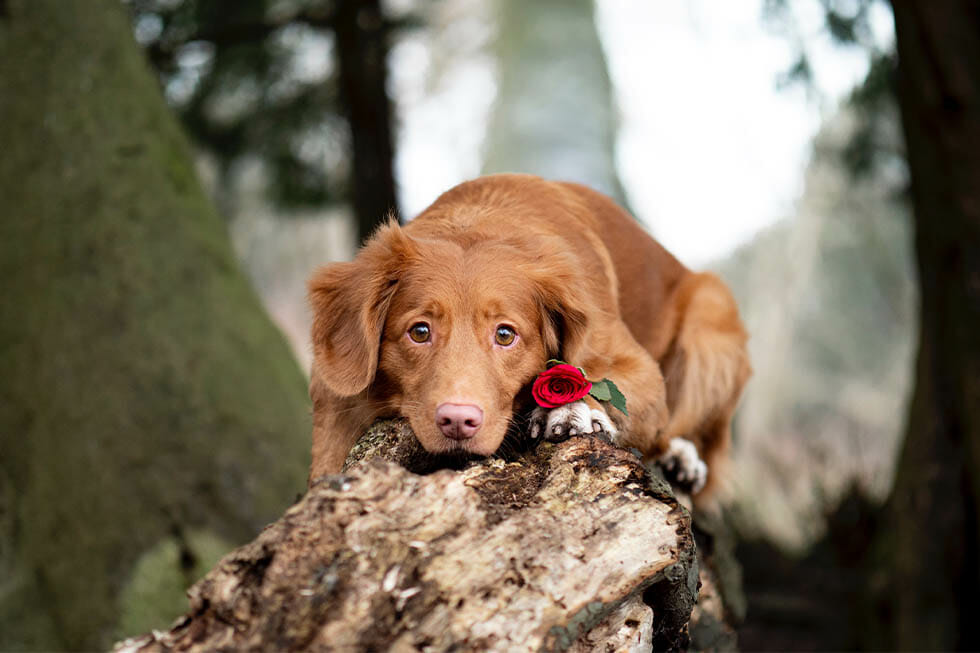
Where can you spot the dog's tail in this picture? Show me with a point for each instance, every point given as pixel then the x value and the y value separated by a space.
pixel 705 369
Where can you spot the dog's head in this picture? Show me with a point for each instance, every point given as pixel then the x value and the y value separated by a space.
pixel 447 330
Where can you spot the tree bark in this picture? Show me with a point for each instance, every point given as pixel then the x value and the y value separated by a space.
pixel 928 573
pixel 569 546
pixel 143 389
pixel 362 51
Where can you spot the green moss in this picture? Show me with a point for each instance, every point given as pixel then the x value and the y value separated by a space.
pixel 560 638
pixel 28 624
pixel 160 580
pixel 144 390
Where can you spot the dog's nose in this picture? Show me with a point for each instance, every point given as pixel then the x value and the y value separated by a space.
pixel 459 421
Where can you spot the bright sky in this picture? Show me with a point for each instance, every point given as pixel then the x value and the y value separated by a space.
pixel 709 150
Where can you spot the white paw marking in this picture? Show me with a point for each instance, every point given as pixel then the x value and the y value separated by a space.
pixel 602 424
pixel 575 418
pixel 684 465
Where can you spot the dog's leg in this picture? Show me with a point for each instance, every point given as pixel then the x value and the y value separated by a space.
pixel 704 369
pixel 683 466
pixel 612 352
pixel 338 422
pixel 332 441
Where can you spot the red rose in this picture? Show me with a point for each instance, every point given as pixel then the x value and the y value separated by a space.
pixel 560 385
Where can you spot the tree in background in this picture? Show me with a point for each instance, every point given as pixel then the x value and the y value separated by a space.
pixel 363 55
pixel 928 573
pixel 299 86
pixel 918 579
pixel 150 414
pixel 554 115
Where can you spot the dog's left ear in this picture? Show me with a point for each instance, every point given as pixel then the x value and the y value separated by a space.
pixel 350 303
pixel 566 312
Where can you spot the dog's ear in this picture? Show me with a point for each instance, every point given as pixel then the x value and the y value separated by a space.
pixel 559 288
pixel 349 302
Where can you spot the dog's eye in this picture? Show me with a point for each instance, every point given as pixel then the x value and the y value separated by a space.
pixel 505 335
pixel 419 332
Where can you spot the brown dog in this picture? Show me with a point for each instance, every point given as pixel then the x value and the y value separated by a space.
pixel 447 320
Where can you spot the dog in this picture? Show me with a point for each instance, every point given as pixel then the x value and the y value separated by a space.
pixel 448 320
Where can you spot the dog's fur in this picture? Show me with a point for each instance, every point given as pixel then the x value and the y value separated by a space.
pixel 572 273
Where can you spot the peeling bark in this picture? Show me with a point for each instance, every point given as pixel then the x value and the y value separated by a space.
pixel 570 546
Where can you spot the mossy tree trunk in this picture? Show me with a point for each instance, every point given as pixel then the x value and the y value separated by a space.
pixel 146 401
pixel 929 576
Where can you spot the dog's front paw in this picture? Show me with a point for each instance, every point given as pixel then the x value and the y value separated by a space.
pixel 571 419
pixel 683 466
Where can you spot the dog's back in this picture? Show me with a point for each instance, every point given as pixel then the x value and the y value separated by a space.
pixel 644 274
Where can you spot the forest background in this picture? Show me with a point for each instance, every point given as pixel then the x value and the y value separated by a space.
pixel 813 153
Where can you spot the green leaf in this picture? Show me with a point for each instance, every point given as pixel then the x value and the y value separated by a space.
pixel 600 391
pixel 554 361
pixel 618 400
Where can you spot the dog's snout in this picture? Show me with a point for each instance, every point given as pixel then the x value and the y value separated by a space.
pixel 459 421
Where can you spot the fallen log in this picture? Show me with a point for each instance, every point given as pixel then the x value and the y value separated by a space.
pixel 569 546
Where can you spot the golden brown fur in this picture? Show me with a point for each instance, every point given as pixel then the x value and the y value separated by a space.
pixel 576 277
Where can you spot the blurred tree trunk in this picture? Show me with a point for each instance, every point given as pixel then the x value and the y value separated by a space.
pixel 147 404
pixel 362 50
pixel 929 576
pixel 552 65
